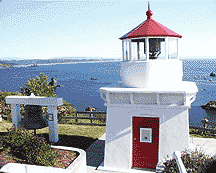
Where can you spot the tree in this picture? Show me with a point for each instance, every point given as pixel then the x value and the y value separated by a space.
pixel 39 87
pixel 5 109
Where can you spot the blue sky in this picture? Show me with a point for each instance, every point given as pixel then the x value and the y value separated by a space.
pixel 38 29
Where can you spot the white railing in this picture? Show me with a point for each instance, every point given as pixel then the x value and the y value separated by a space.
pixel 148 98
pixel 180 164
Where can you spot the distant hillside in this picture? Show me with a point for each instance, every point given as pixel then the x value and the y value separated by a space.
pixel 7 63
pixel 51 61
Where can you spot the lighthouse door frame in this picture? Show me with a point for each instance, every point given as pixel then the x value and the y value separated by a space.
pixel 132 139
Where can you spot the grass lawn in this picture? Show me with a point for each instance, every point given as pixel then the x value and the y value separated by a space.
pixel 199 134
pixel 70 134
pixel 88 131
pixel 69 128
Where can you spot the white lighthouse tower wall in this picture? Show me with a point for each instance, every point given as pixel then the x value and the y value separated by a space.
pixel 118 139
pixel 148 74
pixel 173 132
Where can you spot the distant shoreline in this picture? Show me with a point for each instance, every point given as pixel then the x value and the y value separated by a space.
pixel 7 64
pixel 27 63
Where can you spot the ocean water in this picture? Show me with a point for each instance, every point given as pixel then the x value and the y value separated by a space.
pixel 78 88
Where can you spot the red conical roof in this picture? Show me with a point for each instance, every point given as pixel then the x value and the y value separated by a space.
pixel 150 28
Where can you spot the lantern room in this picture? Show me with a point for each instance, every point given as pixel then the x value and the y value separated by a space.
pixel 150 55
pixel 150 41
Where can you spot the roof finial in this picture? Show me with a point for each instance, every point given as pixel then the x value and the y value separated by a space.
pixel 149 13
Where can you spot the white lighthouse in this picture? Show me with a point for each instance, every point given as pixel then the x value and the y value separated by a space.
pixel 147 118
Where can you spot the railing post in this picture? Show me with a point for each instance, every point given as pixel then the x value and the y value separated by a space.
pixel 180 164
pixel 76 118
pixel 204 128
pixel 158 98
pixel 205 124
pixel 90 117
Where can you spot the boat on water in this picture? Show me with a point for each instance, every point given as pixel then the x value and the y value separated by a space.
pixel 35 65
pixel 94 78
pixel 212 74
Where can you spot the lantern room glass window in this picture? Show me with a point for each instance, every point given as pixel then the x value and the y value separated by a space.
pixel 126 50
pixel 156 50
pixel 159 48
pixel 138 50
pixel 173 48
pixel 134 50
pixel 142 51
pixel 163 49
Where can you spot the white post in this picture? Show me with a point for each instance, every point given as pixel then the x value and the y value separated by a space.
pixel 166 48
pixel 138 51
pixel 158 98
pixel 180 164
pixel 102 96
pixel 130 55
pixel 16 117
pixel 53 124
pixel 126 49
pixel 177 49
pixel 131 98
pixel 147 48
pixel 122 50
pixel 107 97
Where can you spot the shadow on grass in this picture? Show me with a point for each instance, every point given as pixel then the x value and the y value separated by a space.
pixel 94 148
pixel 80 142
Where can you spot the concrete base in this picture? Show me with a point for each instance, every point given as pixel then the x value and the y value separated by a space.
pixel 204 145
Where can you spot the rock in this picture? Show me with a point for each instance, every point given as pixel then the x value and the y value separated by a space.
pixel 212 74
pixel 209 106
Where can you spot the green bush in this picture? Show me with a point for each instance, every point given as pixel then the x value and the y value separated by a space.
pixel 7 93
pixel 39 87
pixel 171 166
pixel 5 109
pixel 193 161
pixel 26 146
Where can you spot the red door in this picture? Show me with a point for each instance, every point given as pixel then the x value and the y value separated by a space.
pixel 145 142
